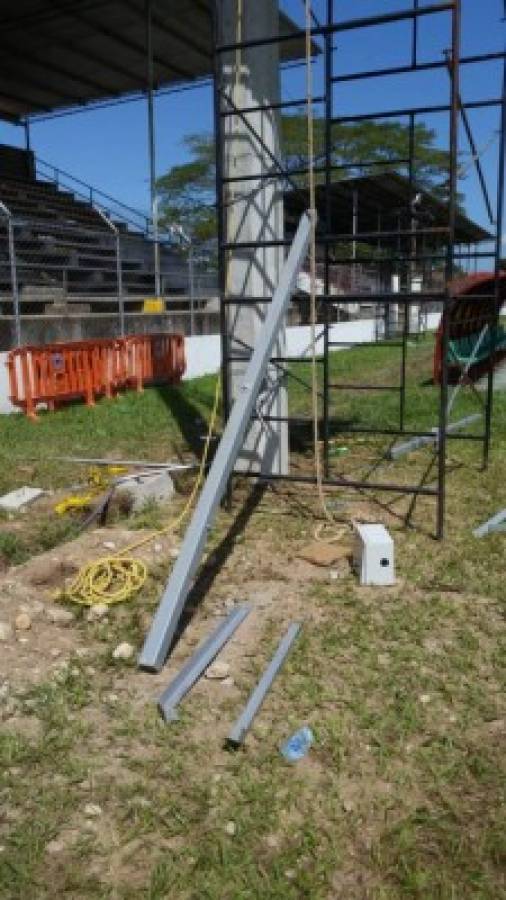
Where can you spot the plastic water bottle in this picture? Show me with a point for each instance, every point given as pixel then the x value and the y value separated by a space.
pixel 298 744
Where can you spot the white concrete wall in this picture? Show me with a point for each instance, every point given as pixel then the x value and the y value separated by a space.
pixel 203 352
pixel 5 406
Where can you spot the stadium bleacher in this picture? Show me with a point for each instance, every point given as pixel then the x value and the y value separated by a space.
pixel 66 250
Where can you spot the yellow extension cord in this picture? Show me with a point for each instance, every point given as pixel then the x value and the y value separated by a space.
pixel 115 579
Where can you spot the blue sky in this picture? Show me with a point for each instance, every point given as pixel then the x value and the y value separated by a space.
pixel 108 147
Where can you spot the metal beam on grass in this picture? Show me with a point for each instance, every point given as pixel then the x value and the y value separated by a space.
pixel 257 697
pixel 198 663
pixel 169 612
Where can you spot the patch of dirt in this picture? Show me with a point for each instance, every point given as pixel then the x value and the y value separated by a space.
pixel 29 656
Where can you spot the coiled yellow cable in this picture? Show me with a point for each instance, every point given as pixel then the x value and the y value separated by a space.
pixel 115 579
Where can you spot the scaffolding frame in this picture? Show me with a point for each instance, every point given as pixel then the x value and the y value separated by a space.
pixel 451 253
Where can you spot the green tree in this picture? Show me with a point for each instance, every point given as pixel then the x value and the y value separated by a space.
pixel 187 191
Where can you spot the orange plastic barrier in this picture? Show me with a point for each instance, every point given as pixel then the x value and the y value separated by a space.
pixel 61 372
pixel 154 359
pixel 164 359
pixel 50 375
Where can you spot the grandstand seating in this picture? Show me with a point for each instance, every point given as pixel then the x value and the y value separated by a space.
pixel 66 251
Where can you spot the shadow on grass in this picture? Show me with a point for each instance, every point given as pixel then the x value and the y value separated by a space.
pixel 218 557
pixel 190 421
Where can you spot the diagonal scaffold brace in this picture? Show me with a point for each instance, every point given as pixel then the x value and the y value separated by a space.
pixel 166 620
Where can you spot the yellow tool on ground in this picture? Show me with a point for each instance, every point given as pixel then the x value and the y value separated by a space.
pixel 98 480
pixel 73 502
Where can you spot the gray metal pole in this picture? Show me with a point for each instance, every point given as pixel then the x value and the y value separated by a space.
pixel 152 150
pixel 198 663
pixel 257 697
pixel 191 273
pixel 119 278
pixel 14 280
pixel 169 612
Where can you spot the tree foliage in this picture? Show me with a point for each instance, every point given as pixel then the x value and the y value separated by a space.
pixel 187 191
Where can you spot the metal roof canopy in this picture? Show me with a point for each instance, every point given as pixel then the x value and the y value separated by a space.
pixel 386 193
pixel 57 54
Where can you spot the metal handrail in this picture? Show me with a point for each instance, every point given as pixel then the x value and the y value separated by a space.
pixel 93 195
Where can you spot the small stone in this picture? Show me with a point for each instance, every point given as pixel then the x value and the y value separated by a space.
pixel 109 545
pixel 173 552
pixel 290 874
pixel 228 682
pixel 23 622
pixel 55 651
pixel 228 604
pixel 54 847
pixel 231 828
pixel 218 670
pixel 158 548
pixel 23 640
pixel 97 612
pixel 59 616
pixel 112 699
pixel 272 841
pixel 92 810
pixel 123 651
pixel 424 698
pixel 383 659
pixel 5 632
pixel 348 806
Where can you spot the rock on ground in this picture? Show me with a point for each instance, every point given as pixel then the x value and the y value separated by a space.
pixel 123 651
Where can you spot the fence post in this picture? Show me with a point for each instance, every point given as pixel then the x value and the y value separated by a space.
pixel 191 274
pixel 119 274
pixel 13 270
pixel 119 270
pixel 14 281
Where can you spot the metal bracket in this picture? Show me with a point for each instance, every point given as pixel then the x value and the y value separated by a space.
pixel 496 523
pixel 425 440
pixel 169 612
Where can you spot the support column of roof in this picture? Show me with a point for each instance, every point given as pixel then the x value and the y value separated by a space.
pixel 253 212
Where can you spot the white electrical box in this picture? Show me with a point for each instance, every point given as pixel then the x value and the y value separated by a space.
pixel 373 555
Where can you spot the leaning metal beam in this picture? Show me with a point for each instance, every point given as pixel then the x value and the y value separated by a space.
pixel 166 619
pixel 425 440
pixel 496 523
pixel 198 663
pixel 257 697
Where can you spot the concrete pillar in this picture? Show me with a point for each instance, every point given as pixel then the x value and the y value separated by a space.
pixel 253 212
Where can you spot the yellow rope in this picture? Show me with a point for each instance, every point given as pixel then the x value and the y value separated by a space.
pixel 114 579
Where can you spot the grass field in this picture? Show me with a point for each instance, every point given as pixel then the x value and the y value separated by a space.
pixel 403 792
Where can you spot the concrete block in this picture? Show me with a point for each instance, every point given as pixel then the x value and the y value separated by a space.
pixel 148 487
pixel 23 496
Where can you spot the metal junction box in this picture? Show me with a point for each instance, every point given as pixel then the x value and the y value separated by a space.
pixel 373 555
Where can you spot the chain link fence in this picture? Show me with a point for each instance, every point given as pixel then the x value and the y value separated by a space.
pixel 89 264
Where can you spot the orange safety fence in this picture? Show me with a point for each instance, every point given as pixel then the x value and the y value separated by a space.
pixel 84 370
pixel 154 359
pixel 163 358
